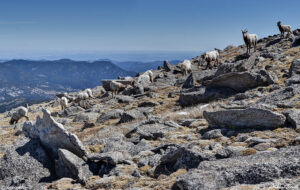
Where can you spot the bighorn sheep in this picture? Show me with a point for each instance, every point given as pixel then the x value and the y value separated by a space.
pixel 16 116
pixel 63 102
pixel 284 28
pixel 145 77
pixel 89 92
pixel 115 87
pixel 250 40
pixel 125 78
pixel 186 67
pixel 211 56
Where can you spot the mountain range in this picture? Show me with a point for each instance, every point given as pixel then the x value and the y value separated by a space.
pixel 27 81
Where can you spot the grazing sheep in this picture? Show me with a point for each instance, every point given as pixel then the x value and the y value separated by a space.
pixel 284 28
pixel 16 116
pixel 89 92
pixel 250 40
pixel 115 87
pixel 211 56
pixel 145 77
pixel 186 67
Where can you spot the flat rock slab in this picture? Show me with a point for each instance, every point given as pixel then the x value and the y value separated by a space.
pixel 241 81
pixel 203 95
pixel 254 169
pixel 245 118
pixel 112 114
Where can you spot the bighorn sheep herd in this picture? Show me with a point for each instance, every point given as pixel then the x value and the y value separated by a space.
pixel 147 77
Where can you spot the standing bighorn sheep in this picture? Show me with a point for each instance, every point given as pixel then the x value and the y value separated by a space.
pixel 16 116
pixel 284 28
pixel 211 56
pixel 186 67
pixel 115 87
pixel 250 40
pixel 63 103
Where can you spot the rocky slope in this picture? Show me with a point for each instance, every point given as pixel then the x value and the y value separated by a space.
pixel 232 127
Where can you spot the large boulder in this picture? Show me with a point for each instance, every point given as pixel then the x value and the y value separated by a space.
pixel 203 95
pixel 239 66
pixel 150 131
pixel 294 72
pixel 112 114
pixel 245 118
pixel 135 114
pixel 286 97
pixel 25 165
pixel 254 169
pixel 189 82
pixel 70 165
pixel 293 118
pixel 54 136
pixel 241 81
pixel 112 158
pixel 167 67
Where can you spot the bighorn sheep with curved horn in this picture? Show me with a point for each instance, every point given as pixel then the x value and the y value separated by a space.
pixel 284 28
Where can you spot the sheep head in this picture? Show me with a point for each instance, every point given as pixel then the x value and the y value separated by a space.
pixel 278 23
pixel 244 31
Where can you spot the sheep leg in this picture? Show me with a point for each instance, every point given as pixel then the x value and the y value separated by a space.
pixel 248 49
pixel 207 66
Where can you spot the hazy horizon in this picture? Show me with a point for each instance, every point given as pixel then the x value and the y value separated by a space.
pixel 28 28
pixel 116 56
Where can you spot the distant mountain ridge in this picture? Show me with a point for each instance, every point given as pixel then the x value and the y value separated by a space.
pixel 138 66
pixel 26 81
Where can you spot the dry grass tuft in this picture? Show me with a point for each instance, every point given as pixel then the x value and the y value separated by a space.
pixel 249 151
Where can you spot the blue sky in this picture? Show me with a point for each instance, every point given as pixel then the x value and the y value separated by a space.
pixel 71 26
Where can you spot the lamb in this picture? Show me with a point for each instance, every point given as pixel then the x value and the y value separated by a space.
pixel 211 56
pixel 146 77
pixel 186 67
pixel 284 28
pixel 115 87
pixel 250 40
pixel 20 113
